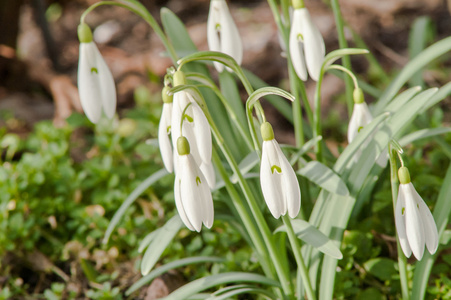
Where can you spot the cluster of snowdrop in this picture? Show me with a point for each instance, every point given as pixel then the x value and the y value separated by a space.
pixel 185 136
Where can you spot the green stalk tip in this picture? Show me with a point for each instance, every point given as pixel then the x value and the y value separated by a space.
pixel 297 4
pixel 166 97
pixel 267 131
pixel 358 96
pixel 84 33
pixel 179 78
pixel 183 146
pixel 404 175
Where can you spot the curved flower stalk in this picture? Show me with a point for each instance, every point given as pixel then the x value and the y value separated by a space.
pixel 192 196
pixel 306 44
pixel 414 222
pixel 195 126
pixel 95 82
pixel 278 181
pixel 164 129
pixel 222 33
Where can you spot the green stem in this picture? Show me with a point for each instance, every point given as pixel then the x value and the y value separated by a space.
pixel 248 223
pixel 347 71
pixel 299 259
pixel 402 261
pixel 317 118
pixel 284 279
pixel 346 59
pixel 140 10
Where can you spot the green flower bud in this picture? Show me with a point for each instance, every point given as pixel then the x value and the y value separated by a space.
pixel 84 33
pixel 179 78
pixel 267 131
pixel 298 4
pixel 164 94
pixel 358 96
pixel 183 146
pixel 404 175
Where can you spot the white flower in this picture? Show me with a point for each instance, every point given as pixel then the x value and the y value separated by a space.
pixel 164 142
pixel 195 127
pixel 95 82
pixel 222 33
pixel 414 222
pixel 361 116
pixel 307 47
pixel 278 181
pixel 192 194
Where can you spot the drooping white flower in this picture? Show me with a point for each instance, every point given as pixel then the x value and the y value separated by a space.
pixel 278 180
pixel 164 130
pixel 192 195
pixel 414 222
pixel 361 116
pixel 307 49
pixel 195 125
pixel 95 82
pixel 222 33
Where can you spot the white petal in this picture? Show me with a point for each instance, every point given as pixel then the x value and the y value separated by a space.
pixel 163 137
pixel 206 204
pixel 202 132
pixel 414 224
pixel 88 82
pixel 291 189
pixel 108 89
pixel 179 103
pixel 429 226
pixel 179 204
pixel 209 173
pixel 313 44
pixel 361 116
pixel 271 183
pixel 214 43
pixel 400 221
pixel 190 190
pixel 296 46
pixel 231 41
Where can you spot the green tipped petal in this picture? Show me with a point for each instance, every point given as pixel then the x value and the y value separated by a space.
pixel 84 33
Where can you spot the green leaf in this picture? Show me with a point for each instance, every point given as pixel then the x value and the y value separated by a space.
pixel 130 199
pixel 324 177
pixel 312 236
pixel 207 282
pixel 422 59
pixel 382 268
pixel 418 38
pixel 147 240
pixel 422 134
pixel 246 290
pixel 172 265
pixel 159 243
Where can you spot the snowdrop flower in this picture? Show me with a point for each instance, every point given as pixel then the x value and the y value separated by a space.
pixel 222 33
pixel 306 44
pixel 360 117
pixel 279 183
pixel 192 195
pixel 414 222
pixel 95 82
pixel 164 130
pixel 195 125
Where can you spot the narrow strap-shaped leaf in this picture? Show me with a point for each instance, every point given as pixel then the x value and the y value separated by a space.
pixel 207 282
pixel 130 199
pixel 312 236
pixel 169 266
pixel 159 243
pixel 324 177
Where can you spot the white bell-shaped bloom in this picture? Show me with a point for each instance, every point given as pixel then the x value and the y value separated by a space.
pixel 307 49
pixel 192 195
pixel 414 222
pixel 222 33
pixel 95 82
pixel 164 129
pixel 278 180
pixel 361 116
